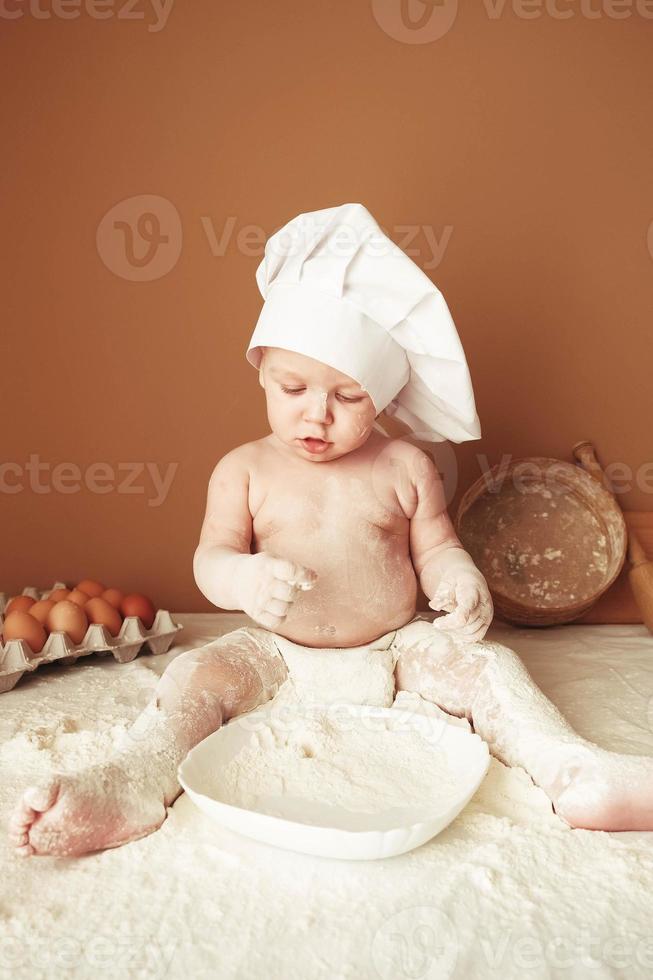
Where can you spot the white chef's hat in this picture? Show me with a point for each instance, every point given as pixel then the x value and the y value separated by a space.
pixel 338 290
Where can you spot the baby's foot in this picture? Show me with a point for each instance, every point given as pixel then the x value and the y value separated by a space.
pixel 102 806
pixel 604 790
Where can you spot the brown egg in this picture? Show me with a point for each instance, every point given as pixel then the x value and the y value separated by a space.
pixel 20 603
pixel 68 617
pixel 91 587
pixel 138 605
pixel 40 610
pixel 100 611
pixel 58 594
pixel 78 597
pixel 114 596
pixel 21 626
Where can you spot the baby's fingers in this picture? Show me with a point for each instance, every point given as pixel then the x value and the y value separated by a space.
pixel 273 615
pixel 276 607
pixel 294 574
pixel 479 623
pixel 457 621
pixel 472 630
pixel 475 631
pixel 465 610
pixel 452 621
pixel 283 591
pixel 443 598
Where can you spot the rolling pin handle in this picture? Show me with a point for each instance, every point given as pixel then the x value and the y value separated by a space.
pixel 586 456
pixel 636 554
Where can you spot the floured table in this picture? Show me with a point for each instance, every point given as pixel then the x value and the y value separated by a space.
pixel 506 890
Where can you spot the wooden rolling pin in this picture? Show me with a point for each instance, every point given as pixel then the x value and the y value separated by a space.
pixel 640 574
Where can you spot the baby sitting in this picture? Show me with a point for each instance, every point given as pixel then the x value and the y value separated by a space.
pixel 320 531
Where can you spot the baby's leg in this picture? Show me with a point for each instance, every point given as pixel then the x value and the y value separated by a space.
pixel 126 798
pixel 488 684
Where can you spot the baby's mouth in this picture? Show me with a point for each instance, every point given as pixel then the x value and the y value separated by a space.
pixel 315 445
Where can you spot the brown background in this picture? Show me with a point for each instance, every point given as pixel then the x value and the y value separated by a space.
pixel 530 140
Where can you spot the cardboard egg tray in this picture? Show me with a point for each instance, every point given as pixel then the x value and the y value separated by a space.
pixel 17 658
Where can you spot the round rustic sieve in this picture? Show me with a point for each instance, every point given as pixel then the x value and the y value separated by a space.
pixel 548 538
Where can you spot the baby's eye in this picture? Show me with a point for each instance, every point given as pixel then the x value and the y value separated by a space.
pixel 298 391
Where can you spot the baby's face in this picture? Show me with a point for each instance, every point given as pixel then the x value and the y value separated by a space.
pixel 307 399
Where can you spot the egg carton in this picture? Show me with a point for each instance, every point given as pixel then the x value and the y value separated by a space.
pixel 17 658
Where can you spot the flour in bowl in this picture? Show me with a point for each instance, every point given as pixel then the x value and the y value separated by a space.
pixel 360 764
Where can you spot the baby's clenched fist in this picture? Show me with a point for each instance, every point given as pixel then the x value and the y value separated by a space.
pixel 267 587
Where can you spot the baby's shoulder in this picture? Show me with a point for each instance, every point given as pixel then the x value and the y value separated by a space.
pixel 409 470
pixel 399 450
pixel 245 455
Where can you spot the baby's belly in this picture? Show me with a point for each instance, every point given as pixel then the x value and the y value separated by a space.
pixel 364 589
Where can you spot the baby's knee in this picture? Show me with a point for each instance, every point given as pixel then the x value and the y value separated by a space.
pixel 233 668
pixel 438 661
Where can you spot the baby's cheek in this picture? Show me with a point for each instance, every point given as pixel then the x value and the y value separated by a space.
pixel 362 427
pixel 359 423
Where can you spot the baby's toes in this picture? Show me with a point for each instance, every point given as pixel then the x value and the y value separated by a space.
pixel 31 805
pixel 35 801
pixel 40 798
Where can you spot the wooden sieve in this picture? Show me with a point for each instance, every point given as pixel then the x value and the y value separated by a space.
pixel 548 538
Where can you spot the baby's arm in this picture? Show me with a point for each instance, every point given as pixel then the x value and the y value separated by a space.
pixel 226 534
pixel 262 585
pixel 446 572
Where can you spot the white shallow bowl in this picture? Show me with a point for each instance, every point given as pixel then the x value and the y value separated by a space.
pixel 328 831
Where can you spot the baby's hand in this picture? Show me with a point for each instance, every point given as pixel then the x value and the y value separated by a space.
pixel 464 595
pixel 268 586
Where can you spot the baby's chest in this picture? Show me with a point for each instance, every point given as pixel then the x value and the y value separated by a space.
pixel 347 503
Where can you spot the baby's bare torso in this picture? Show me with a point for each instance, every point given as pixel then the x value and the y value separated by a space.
pixel 348 520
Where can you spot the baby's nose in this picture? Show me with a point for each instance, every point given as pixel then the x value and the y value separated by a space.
pixel 317 408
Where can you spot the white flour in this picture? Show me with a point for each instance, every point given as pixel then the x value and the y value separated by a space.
pixel 364 765
pixel 509 890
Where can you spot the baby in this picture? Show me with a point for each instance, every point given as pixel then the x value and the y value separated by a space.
pixel 320 532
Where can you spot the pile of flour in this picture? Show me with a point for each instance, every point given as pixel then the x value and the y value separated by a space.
pixel 364 764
